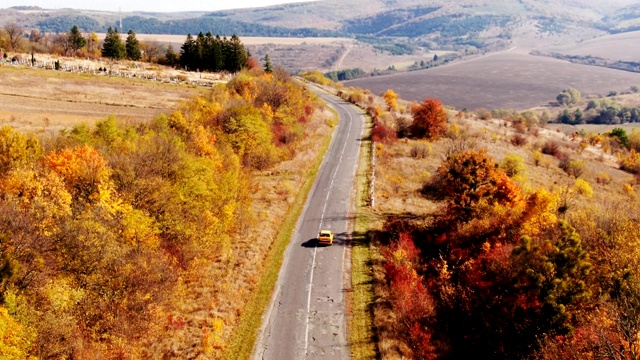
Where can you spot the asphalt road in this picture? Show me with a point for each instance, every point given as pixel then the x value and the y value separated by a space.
pixel 307 315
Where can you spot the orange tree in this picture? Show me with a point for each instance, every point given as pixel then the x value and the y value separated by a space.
pixel 429 120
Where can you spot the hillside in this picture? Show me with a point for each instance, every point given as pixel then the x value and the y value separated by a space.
pixel 436 23
pixel 510 79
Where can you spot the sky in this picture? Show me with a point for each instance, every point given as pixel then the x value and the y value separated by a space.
pixel 147 5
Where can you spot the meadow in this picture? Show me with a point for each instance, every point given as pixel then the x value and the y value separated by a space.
pixel 47 100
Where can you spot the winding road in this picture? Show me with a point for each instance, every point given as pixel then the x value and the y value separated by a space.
pixel 307 315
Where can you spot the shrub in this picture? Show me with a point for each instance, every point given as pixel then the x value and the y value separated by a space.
pixel 573 168
pixel 484 114
pixel 583 188
pixel 513 165
pixel 382 133
pixel 518 140
pixel 537 157
pixel 420 151
pixel 550 148
pixel 603 178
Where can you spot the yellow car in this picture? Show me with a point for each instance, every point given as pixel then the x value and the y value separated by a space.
pixel 325 237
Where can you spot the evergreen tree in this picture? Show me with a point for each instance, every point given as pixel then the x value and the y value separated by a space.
pixel 217 54
pixel 236 56
pixel 207 56
pixel 201 43
pixel 268 67
pixel 170 57
pixel 76 40
pixel 133 46
pixel 189 53
pixel 113 46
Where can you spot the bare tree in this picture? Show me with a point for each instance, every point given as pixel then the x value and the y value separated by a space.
pixel 151 51
pixel 36 36
pixel 14 35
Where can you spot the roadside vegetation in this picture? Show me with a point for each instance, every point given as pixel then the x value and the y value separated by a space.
pixel 494 236
pixel 147 240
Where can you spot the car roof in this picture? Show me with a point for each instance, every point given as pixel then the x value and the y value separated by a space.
pixel 325 232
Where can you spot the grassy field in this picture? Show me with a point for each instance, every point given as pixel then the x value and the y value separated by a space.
pixel 509 80
pixel 40 100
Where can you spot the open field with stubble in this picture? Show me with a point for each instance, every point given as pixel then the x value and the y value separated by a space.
pixel 36 100
pixel 506 80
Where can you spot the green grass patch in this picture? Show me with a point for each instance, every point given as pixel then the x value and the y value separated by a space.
pixel 241 345
pixel 361 330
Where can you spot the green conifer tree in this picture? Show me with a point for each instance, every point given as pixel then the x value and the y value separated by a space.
pixel 133 46
pixel 113 47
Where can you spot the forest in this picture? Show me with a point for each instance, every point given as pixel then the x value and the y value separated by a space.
pixel 106 230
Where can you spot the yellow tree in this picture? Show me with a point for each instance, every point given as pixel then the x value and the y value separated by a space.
pixel 391 99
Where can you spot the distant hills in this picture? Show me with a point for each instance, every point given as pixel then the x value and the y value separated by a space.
pixel 434 23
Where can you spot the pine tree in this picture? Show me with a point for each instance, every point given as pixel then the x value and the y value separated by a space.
pixel 113 46
pixel 76 40
pixel 217 54
pixel 268 67
pixel 133 46
pixel 189 53
pixel 236 55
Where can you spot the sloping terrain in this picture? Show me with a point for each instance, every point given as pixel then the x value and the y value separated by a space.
pixel 512 80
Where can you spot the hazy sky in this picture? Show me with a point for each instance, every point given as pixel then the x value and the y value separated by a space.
pixel 146 5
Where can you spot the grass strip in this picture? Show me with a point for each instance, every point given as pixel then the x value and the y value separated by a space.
pixel 361 331
pixel 251 319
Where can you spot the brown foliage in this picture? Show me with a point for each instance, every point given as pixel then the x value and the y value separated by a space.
pixel 429 120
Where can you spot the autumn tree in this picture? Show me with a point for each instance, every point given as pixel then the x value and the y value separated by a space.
pixel 93 42
pixel 14 35
pixel 391 99
pixel 429 120
pixel 16 149
pixel 132 46
pixel 469 179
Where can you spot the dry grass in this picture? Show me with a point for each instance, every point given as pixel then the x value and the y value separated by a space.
pixel 40 100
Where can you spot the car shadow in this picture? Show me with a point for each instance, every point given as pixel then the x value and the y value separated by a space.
pixel 311 243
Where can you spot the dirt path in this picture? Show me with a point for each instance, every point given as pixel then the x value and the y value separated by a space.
pixel 344 55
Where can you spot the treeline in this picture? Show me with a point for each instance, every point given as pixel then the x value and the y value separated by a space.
pixel 346 74
pixel 146 25
pixel 209 53
pixel 104 231
pixel 602 111
pixel 633 66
